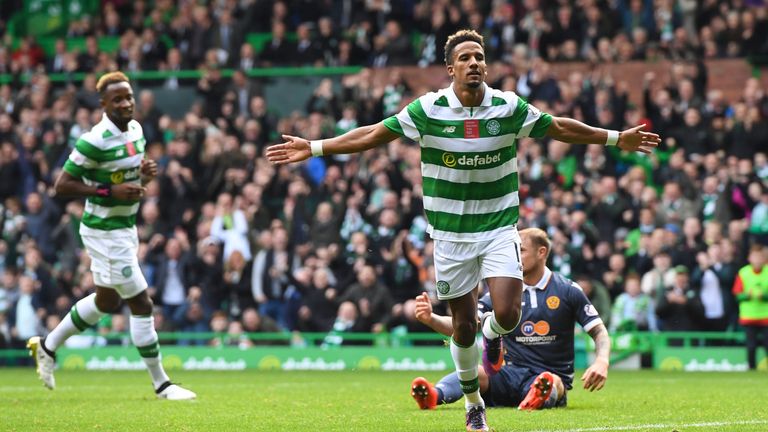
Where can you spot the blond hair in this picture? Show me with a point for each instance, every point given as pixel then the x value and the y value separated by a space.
pixel 110 78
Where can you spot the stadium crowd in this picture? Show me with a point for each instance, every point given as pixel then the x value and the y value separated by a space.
pixel 232 244
pixel 167 34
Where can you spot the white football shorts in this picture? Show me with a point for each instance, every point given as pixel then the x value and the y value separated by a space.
pixel 115 264
pixel 459 266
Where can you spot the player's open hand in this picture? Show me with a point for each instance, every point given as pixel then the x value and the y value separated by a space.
pixel 595 376
pixel 634 139
pixel 294 149
pixel 423 311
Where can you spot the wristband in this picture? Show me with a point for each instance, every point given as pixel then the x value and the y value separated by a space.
pixel 104 190
pixel 613 138
pixel 317 147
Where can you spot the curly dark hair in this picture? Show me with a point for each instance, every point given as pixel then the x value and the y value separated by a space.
pixel 459 37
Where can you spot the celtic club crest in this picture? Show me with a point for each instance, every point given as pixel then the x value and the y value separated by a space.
pixel 493 127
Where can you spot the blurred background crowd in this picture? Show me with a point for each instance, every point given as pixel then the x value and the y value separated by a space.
pixel 233 245
pixel 168 34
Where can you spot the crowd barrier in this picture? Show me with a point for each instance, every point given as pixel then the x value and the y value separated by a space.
pixel 684 351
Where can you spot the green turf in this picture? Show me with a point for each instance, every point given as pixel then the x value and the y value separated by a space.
pixel 368 401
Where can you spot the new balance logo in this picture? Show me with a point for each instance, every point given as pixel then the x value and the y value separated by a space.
pixel 449 129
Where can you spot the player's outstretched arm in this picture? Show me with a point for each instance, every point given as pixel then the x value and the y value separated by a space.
pixel 575 132
pixel 595 376
pixel 297 149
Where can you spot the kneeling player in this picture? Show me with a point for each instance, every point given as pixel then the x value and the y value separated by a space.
pixel 539 354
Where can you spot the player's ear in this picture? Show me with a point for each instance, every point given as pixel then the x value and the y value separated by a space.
pixel 450 70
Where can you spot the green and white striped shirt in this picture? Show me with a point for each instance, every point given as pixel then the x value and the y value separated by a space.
pixel 469 159
pixel 107 155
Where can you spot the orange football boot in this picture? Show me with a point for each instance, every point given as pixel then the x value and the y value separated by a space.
pixel 424 393
pixel 540 390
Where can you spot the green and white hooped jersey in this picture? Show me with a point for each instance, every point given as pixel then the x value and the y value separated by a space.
pixel 106 155
pixel 469 159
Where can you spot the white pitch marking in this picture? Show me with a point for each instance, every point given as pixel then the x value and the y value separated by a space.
pixel 662 426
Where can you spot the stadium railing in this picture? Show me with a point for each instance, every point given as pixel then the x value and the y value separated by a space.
pixel 691 351
pixel 197 74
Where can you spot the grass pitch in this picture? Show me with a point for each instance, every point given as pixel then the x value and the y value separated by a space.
pixel 369 401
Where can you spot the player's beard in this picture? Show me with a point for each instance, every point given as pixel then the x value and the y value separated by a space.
pixel 474 84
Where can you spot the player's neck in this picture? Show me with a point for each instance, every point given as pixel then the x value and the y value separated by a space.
pixel 468 96
pixel 533 277
pixel 122 125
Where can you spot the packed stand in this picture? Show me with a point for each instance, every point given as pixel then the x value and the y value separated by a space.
pixel 172 35
pixel 233 245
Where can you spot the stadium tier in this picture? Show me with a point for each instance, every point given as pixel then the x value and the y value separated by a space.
pixel 232 246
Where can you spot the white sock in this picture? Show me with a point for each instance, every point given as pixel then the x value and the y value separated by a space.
pixel 144 338
pixel 466 359
pixel 492 329
pixel 83 314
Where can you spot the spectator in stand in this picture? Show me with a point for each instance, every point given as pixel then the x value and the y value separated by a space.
pixel 236 337
pixel 271 272
pixel 607 207
pixel 690 244
pixel 172 280
pixel 40 219
pixel 279 51
pixel 758 224
pixel 318 309
pixel 231 227
pixel 212 87
pixel 117 331
pixel 633 310
pixel 247 58
pixel 325 227
pixel 218 325
pixel 598 295
pixel 675 207
pixel 679 307
pixel 9 288
pixel 46 289
pixel 346 322
pixel 192 316
pixel 57 64
pixel 371 298
pixel 237 288
pixel 662 276
pixel 245 89
pixel 308 51
pixel 26 313
pixel 253 322
pixel 716 276
pixel 614 277
pixel 153 50
pixel 149 115
pixel 226 38
pixel 88 59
